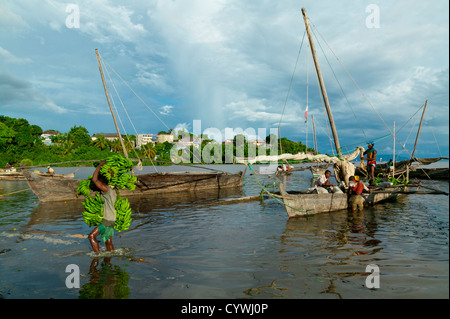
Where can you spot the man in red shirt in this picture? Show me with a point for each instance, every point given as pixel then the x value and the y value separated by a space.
pixel 356 201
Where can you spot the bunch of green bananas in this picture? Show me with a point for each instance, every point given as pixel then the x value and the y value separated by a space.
pixel 123 214
pixel 84 188
pixel 115 171
pixel 93 214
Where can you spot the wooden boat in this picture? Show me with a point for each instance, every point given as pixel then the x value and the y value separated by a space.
pixel 430 173
pixel 303 204
pixel 11 175
pixel 414 168
pixel 63 188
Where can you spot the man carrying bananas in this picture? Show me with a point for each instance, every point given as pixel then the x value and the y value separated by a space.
pixel 106 228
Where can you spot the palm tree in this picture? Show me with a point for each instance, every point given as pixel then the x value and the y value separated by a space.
pixel 102 143
pixel 129 144
pixel 149 150
pixel 116 146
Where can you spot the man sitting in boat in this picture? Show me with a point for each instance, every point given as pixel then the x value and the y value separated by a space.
pixel 371 162
pixel 323 184
pixel 356 201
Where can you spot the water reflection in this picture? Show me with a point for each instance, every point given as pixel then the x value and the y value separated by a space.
pixel 142 206
pixel 107 282
pixel 343 237
pixel 248 249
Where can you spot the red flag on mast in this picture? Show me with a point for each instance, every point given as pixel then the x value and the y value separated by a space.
pixel 306 114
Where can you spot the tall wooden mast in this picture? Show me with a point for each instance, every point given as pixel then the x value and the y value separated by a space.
pixel 420 127
pixel 109 103
pixel 314 132
pixel 322 84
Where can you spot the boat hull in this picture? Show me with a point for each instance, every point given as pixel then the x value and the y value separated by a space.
pixel 300 205
pixel 48 188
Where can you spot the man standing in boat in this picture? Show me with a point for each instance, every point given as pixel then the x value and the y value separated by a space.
pixel 106 228
pixel 371 162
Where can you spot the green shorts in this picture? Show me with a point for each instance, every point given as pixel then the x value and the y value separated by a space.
pixel 105 232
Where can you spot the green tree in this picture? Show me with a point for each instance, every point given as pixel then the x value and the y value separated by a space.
pixel 35 130
pixel 59 138
pixel 27 135
pixel 148 150
pixel 78 136
pixel 6 135
pixel 102 143
pixel 116 146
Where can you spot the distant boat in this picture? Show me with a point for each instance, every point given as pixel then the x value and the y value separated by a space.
pixel 11 175
pixel 413 171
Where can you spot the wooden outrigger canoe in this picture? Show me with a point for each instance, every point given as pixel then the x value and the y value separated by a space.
pixel 303 204
pixel 62 188
pixel 11 175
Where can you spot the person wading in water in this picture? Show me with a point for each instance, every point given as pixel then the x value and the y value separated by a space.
pixel 106 228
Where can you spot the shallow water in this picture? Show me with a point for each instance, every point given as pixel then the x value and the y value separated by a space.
pixel 193 247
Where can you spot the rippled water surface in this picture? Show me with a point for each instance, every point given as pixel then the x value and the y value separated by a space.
pixel 195 247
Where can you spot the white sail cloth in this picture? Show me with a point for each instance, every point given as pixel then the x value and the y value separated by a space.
pixel 342 166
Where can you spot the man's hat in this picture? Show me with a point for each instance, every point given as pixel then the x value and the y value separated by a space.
pixel 370 142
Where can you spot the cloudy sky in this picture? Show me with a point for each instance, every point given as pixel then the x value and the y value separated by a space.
pixel 229 64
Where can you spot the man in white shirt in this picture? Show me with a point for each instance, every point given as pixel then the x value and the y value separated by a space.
pixel 323 182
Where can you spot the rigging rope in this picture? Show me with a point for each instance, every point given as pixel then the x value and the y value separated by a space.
pixel 348 73
pixel 325 115
pixel 437 144
pixel 361 91
pixel 140 162
pixel 340 86
pixel 292 78
pixel 139 166
pixel 126 83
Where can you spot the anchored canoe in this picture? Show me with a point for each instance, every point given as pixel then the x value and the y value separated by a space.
pixel 303 204
pixel 11 175
pixel 61 188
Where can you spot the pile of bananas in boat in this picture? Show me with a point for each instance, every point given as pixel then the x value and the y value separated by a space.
pixel 115 172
